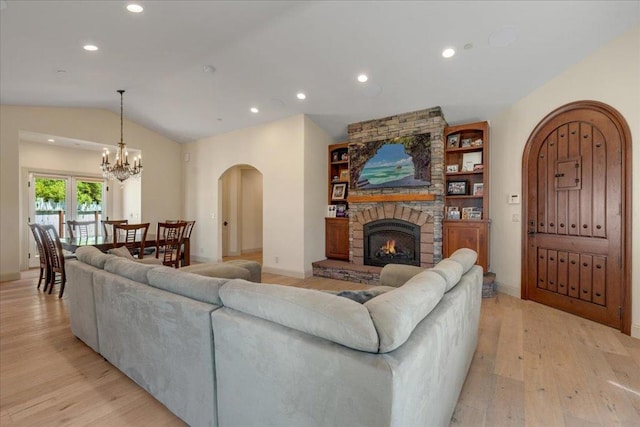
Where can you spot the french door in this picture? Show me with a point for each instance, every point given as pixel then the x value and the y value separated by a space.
pixel 54 199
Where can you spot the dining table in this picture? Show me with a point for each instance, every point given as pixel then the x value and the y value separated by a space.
pixel 105 243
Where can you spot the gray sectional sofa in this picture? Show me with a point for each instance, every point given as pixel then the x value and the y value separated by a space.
pixel 232 352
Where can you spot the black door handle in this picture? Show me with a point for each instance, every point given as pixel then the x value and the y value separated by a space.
pixel 225 223
pixel 531 233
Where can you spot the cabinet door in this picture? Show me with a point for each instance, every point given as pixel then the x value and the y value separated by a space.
pixel 467 234
pixel 337 238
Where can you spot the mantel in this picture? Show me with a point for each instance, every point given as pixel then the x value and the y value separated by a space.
pixel 391 198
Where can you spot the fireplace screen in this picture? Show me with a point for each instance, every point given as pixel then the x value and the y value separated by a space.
pixel 391 242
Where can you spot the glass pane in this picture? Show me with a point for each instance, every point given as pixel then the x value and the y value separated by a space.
pixel 89 204
pixel 50 203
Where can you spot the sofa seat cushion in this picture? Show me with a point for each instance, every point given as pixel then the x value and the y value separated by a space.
pixel 314 312
pixel 194 286
pixel 130 269
pixel 92 256
pixel 240 269
pixel 395 314
pixel 451 271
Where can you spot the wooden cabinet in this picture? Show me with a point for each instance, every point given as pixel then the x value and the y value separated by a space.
pixel 337 238
pixel 466 201
pixel 337 221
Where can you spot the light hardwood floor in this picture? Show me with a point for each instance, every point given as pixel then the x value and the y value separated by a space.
pixel 534 366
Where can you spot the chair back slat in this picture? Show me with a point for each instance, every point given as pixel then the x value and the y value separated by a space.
pixel 169 242
pixel 107 225
pixel 127 235
pixel 53 246
pixel 80 228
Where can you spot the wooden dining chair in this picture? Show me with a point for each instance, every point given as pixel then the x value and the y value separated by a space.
pixel 126 235
pixel 169 243
pixel 187 234
pixel 42 255
pixel 56 257
pixel 80 229
pixel 107 225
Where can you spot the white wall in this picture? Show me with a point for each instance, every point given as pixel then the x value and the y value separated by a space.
pixel 161 183
pixel 277 151
pixel 251 210
pixel 610 75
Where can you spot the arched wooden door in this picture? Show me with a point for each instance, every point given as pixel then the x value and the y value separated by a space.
pixel 576 192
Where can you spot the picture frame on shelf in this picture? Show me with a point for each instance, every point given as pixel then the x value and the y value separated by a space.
pixel 339 191
pixel 466 212
pixel 331 211
pixel 471 159
pixel 476 142
pixel 456 188
pixel 465 143
pixel 344 175
pixel 475 215
pixel 335 157
pixel 341 211
pixel 452 168
pixel 478 167
pixel 453 141
pixel 453 212
pixel 478 189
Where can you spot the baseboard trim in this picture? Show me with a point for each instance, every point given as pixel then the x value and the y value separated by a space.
pixel 251 251
pixel 6 277
pixel 635 330
pixel 283 272
pixel 509 290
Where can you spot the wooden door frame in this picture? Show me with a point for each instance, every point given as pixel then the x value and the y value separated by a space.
pixel 625 222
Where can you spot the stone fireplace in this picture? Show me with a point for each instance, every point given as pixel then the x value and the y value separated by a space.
pixel 414 214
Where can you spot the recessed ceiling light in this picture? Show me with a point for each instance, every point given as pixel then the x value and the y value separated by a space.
pixel 51 140
pixel 90 47
pixel 301 95
pixel 254 110
pixel 448 52
pixel 468 46
pixel 135 8
pixel 363 78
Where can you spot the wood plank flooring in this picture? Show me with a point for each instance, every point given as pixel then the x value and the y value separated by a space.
pixel 534 366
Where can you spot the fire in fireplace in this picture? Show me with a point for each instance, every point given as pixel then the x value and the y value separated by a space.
pixel 391 242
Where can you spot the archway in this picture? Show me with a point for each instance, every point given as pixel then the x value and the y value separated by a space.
pixel 240 204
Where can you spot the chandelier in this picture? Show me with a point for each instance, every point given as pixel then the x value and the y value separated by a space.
pixel 121 168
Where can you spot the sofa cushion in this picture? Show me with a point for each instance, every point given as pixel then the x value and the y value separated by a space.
pixel 466 257
pixel 129 269
pixel 122 252
pixel 395 314
pixel 92 256
pixel 451 272
pixel 224 271
pixel 397 274
pixel 194 286
pixel 317 313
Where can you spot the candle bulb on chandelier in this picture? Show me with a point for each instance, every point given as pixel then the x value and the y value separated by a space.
pixel 140 161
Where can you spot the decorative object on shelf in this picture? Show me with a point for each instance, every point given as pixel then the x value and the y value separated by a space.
pixel 476 142
pixel 456 188
pixel 344 175
pixel 331 211
pixel 465 143
pixel 478 189
pixel 339 191
pixel 121 169
pixel 453 141
pixel 341 211
pixel 478 167
pixel 475 214
pixel 344 157
pixel 335 157
pixel 471 159
pixel 453 212
pixel 452 168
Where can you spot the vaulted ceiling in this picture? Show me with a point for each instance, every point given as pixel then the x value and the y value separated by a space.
pixel 193 69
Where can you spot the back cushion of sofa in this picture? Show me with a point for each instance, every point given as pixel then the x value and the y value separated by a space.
pixel 129 269
pixel 451 271
pixel 395 314
pixel 194 286
pixel 466 257
pixel 92 256
pixel 317 313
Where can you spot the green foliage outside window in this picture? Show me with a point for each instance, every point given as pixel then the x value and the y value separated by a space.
pixel 54 190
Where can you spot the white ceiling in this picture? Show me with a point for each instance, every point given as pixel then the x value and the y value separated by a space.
pixel 264 52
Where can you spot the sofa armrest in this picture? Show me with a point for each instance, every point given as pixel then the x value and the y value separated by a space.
pixel 397 275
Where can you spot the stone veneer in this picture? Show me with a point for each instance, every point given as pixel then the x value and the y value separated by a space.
pixel 427 214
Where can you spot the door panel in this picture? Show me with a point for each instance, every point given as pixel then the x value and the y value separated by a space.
pixel 574 241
